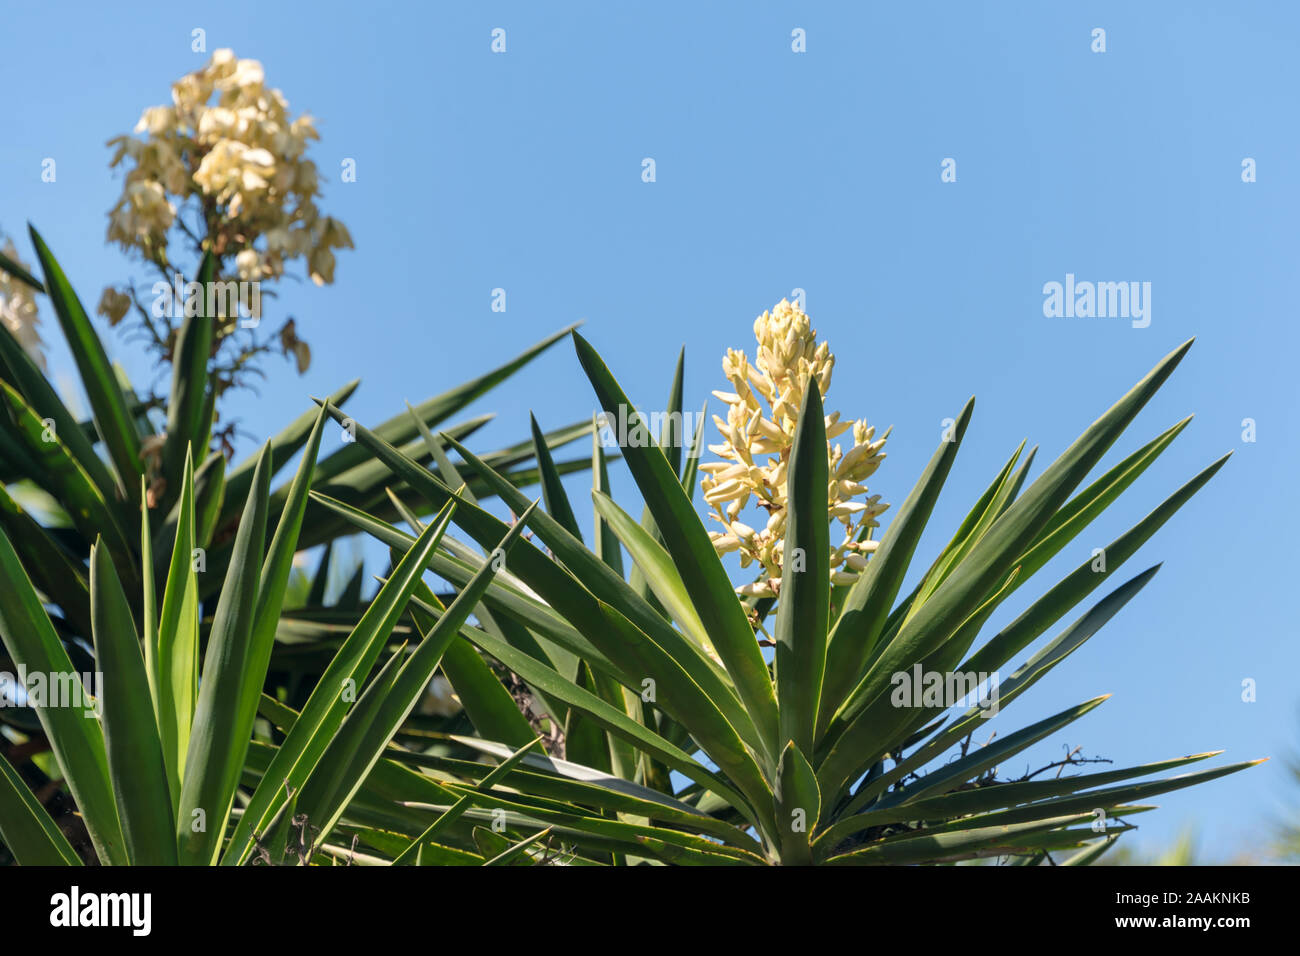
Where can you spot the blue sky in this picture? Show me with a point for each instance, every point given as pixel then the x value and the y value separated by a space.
pixel 820 171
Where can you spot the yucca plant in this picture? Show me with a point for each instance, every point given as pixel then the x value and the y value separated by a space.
pixel 66 485
pixel 683 743
pixel 155 751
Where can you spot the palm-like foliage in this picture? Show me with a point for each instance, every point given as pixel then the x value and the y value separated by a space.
pixel 114 523
pixel 683 743
pixel 156 772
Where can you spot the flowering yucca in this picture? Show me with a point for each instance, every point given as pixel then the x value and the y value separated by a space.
pixel 756 447
pixel 18 308
pixel 243 159
pixel 806 755
pixel 223 170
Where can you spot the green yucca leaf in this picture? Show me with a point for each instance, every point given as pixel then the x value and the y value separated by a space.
pixel 804 611
pixel 15 462
pixel 135 756
pixel 967 844
pixel 73 732
pixel 556 499
pixel 589 834
pixel 350 597
pixel 390 785
pixel 149 614
pixel 667 852
pixel 487 703
pixel 676 695
pixel 1065 524
pixel 370 479
pixel 656 566
pixel 209 495
pixel 112 417
pixel 27 830
pixel 208 492
pixel 692 468
pixel 367 485
pixel 663 652
pixel 174 680
pixel 622 755
pixel 217 747
pixel 689 544
pixel 670 442
pixel 606 543
pixel 798 802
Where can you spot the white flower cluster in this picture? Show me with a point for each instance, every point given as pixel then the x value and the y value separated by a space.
pixel 756 447
pixel 227 140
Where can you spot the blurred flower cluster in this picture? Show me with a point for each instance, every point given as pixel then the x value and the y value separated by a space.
pixel 18 307
pixel 227 141
pixel 758 434
pixel 222 169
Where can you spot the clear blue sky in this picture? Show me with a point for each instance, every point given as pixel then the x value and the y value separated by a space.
pixel 820 170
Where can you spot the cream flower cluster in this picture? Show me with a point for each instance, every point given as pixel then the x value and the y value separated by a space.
pixel 18 309
pixel 227 139
pixel 758 436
